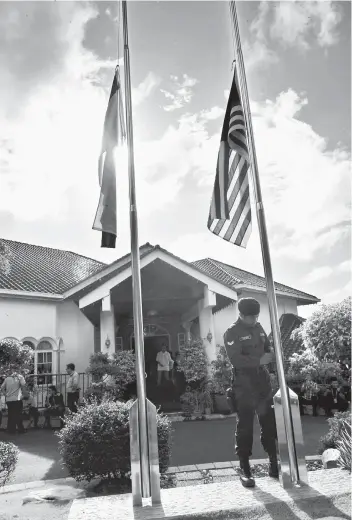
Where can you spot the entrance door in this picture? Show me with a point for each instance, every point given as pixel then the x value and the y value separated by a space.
pixel 152 345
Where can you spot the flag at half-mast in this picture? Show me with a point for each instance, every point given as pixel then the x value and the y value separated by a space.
pixel 230 210
pixel 114 133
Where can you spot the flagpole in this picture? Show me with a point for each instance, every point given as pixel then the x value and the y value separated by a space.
pixel 136 276
pixel 274 316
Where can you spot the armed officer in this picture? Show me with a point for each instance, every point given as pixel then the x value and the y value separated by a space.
pixel 248 349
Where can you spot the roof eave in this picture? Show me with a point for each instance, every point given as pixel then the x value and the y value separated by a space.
pixel 301 299
pixel 29 295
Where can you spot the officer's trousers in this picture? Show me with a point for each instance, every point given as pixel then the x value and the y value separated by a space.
pixel 253 394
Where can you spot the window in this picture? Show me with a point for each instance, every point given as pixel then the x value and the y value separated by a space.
pixel 44 363
pixel 181 338
pixel 118 343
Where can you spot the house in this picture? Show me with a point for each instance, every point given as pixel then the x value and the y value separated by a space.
pixel 67 306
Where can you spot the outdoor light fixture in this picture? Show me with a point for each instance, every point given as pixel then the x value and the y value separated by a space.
pixel 209 336
pixel 107 342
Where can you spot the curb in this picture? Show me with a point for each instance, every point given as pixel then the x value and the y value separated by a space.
pixel 177 417
pixel 225 465
pixel 12 488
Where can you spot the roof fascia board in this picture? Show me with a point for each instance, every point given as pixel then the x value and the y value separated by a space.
pixel 104 290
pixel 96 277
pixel 278 293
pixel 29 295
pixel 196 273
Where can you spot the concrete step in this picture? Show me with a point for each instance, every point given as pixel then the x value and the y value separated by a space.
pixel 219 501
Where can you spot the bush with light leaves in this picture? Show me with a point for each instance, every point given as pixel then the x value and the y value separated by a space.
pixel 112 375
pixel 307 363
pixel 95 442
pixel 15 357
pixel 193 361
pixel 8 461
pixel 327 332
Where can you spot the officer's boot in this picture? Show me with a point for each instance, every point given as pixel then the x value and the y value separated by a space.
pixel 246 475
pixel 273 466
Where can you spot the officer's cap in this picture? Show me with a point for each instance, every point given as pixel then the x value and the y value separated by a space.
pixel 249 307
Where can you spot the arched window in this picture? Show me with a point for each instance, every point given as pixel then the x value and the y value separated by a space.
pixel 44 354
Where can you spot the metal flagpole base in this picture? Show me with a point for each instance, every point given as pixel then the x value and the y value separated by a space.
pixel 285 471
pixel 136 473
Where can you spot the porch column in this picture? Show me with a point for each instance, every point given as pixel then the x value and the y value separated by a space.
pixel 107 326
pixel 187 326
pixel 206 322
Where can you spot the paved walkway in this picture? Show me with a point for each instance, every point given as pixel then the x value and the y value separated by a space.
pixel 194 442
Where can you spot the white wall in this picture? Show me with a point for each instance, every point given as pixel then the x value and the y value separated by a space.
pixel 31 319
pixel 27 318
pixel 224 318
pixel 77 333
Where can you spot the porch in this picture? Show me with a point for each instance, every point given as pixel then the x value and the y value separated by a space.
pixel 178 300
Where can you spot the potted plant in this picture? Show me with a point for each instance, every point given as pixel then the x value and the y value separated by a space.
pixel 206 401
pixel 188 402
pixel 221 380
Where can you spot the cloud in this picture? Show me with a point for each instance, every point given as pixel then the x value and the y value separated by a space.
pixel 345 267
pixel 180 92
pixel 320 273
pixel 295 23
pixel 291 24
pixel 145 89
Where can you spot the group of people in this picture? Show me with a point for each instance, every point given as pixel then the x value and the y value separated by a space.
pixel 332 397
pixel 21 401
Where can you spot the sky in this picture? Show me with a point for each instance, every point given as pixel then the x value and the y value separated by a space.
pixel 57 61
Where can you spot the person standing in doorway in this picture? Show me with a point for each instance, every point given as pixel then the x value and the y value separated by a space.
pixel 248 349
pixel 13 387
pixel 163 360
pixel 72 388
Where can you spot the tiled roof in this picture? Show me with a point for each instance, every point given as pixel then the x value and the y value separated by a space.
pixel 53 271
pixel 45 270
pixel 288 323
pixel 235 277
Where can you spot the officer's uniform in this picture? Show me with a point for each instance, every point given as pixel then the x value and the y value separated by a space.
pixel 252 391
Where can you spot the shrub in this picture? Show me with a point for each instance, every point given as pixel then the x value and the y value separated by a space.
pixel 344 445
pixel 193 361
pixel 8 461
pixel 221 372
pixel 15 357
pixel 308 363
pixel 328 331
pixel 121 368
pixel 336 423
pixel 95 442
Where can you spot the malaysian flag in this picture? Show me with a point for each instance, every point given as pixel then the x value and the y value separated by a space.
pixel 114 131
pixel 230 210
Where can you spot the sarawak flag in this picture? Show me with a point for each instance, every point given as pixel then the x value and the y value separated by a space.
pixel 230 210
pixel 114 132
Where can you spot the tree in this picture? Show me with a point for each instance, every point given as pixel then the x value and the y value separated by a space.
pixel 327 332
pixel 15 357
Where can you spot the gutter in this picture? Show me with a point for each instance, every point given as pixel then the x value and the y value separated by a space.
pixel 28 295
pixel 307 299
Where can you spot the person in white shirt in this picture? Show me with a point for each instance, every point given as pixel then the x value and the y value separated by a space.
pixel 12 388
pixel 164 362
pixel 72 387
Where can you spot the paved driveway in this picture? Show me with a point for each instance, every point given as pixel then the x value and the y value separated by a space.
pixel 193 443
